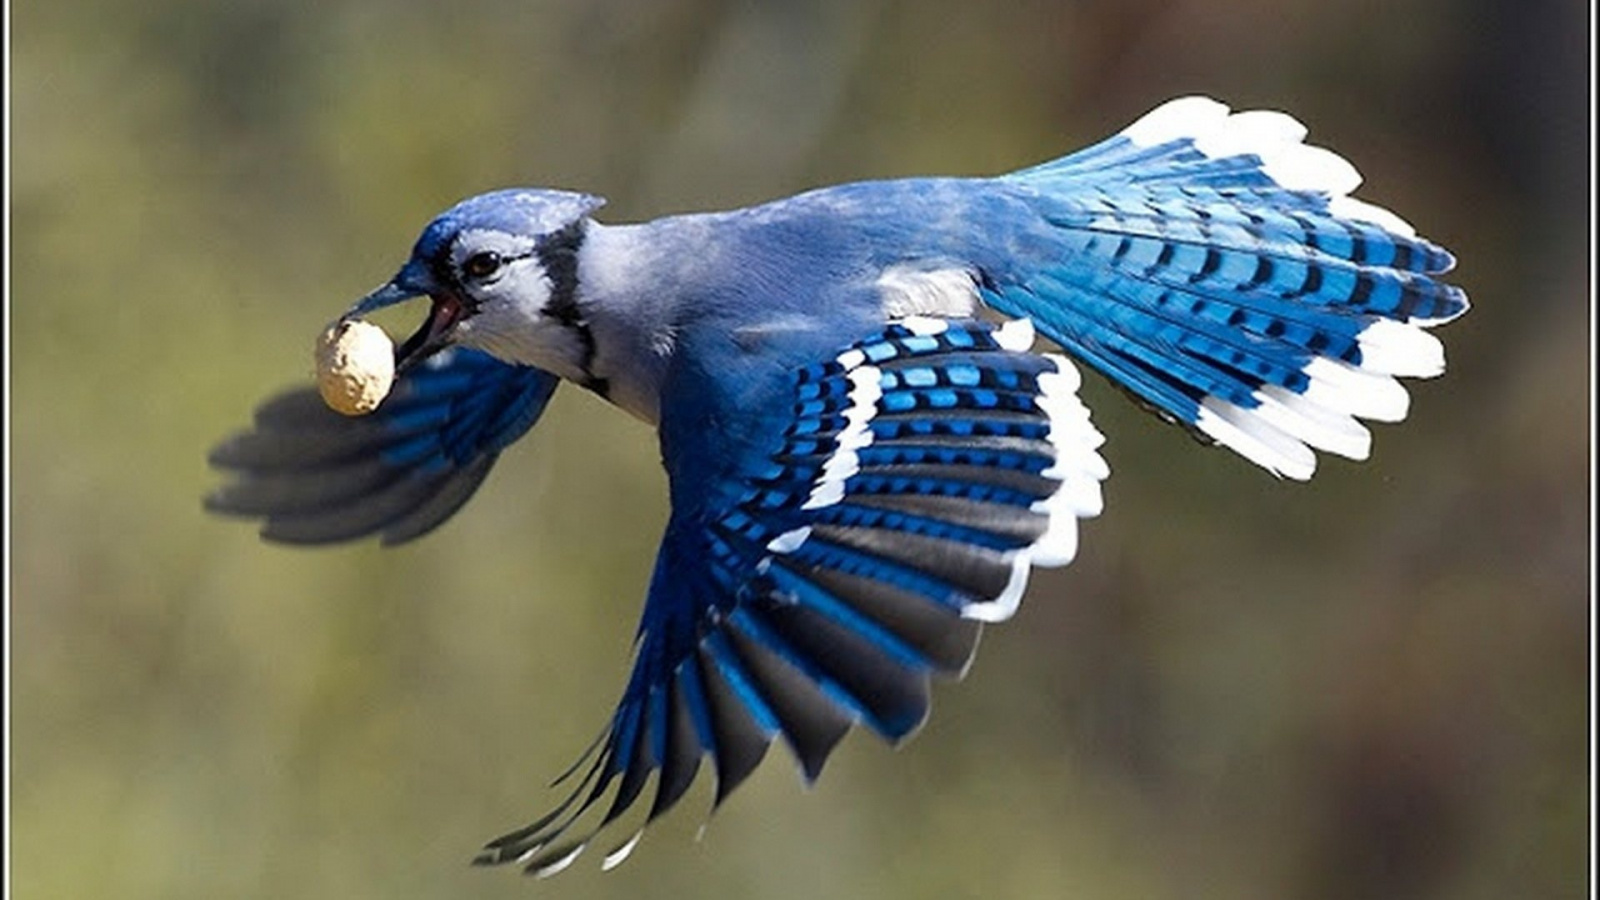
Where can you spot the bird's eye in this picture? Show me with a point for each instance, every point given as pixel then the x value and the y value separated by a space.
pixel 481 265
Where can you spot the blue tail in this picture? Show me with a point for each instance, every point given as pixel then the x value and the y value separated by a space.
pixel 1217 268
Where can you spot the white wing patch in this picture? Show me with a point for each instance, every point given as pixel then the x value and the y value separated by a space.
pixel 866 388
pixel 909 290
pixel 1018 336
pixel 1080 469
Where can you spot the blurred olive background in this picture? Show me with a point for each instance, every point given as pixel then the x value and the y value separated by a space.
pixel 1370 686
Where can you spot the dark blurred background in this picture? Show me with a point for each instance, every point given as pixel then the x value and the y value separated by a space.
pixel 1370 686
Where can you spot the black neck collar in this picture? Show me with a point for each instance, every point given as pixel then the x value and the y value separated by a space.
pixel 558 255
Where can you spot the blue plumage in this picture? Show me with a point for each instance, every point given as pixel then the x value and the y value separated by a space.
pixel 816 607
pixel 863 467
pixel 315 476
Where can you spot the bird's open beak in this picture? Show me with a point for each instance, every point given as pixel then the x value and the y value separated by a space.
pixel 434 333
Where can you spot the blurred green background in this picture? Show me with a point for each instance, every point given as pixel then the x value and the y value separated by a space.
pixel 1370 686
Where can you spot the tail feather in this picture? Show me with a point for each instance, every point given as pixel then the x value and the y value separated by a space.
pixel 1215 266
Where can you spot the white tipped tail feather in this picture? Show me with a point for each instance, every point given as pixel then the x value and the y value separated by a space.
pixel 1276 139
pixel 1279 431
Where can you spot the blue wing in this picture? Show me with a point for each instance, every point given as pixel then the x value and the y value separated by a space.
pixel 894 500
pixel 314 476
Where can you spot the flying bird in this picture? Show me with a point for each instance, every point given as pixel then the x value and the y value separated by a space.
pixel 867 443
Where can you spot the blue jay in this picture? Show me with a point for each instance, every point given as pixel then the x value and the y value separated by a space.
pixel 866 453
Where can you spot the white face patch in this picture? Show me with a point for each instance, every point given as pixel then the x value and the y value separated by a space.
pixel 912 291
pixel 506 333
pixel 509 304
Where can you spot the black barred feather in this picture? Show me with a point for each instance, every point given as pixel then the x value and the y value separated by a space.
pixel 920 475
pixel 1215 267
pixel 862 472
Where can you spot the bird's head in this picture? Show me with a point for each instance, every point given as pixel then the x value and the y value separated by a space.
pixel 501 272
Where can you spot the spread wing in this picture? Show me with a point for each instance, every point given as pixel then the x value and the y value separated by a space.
pixel 314 476
pixel 1216 267
pixel 841 562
